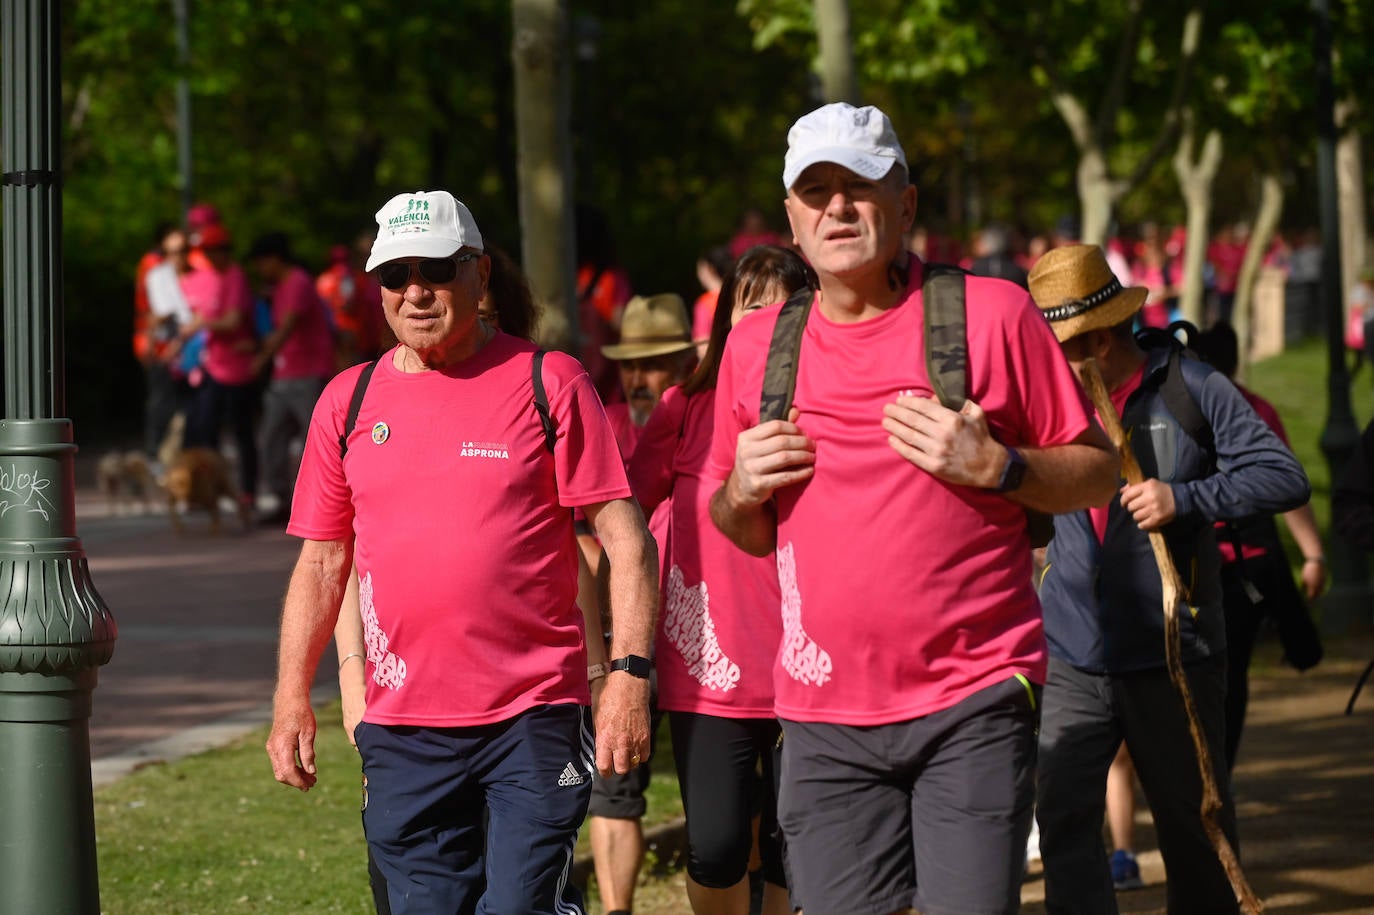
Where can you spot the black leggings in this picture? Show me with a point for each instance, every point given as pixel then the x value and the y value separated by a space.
pixel 718 762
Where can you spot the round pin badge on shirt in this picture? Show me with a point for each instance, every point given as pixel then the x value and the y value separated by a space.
pixel 380 433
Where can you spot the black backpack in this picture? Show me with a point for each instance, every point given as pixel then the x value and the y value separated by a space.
pixel 943 297
pixel 1172 389
pixel 541 402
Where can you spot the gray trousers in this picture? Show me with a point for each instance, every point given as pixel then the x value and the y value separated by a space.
pixel 286 410
pixel 1084 718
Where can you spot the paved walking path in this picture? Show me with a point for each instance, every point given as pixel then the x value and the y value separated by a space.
pixel 195 660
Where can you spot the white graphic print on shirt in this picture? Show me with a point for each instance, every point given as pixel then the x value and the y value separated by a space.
pixel 388 668
pixel 687 623
pixel 804 660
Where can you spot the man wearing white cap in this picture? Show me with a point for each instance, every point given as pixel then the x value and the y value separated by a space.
pixel 912 650
pixel 435 475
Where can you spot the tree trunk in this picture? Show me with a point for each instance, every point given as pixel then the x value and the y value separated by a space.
pixel 1097 193
pixel 839 82
pixel 539 53
pixel 1195 179
pixel 1350 184
pixel 1266 222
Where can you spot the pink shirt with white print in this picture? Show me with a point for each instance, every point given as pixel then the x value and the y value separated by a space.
pixel 901 594
pixel 718 621
pixel 464 545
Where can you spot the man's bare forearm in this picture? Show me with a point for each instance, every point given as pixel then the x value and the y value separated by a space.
pixel 632 582
pixel 752 528
pixel 310 611
pixel 1070 478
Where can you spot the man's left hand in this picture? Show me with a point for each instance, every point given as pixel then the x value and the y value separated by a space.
pixel 954 446
pixel 622 724
pixel 1150 503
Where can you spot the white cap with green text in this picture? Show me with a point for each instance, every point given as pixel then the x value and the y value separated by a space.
pixel 423 224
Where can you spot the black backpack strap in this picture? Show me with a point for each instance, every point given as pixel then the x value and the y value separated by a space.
pixel 1183 405
pixel 784 352
pixel 356 404
pixel 541 400
pixel 946 325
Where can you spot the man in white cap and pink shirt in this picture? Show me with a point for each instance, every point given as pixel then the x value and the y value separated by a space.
pixel 440 484
pixel 913 654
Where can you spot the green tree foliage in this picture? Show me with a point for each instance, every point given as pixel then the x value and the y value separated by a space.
pixel 306 120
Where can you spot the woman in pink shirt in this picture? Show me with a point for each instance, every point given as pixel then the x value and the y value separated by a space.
pixel 720 625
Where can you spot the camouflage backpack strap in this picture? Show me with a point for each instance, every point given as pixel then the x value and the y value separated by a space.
pixel 784 351
pixel 943 300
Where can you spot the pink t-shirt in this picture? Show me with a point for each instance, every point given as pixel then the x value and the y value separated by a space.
pixel 201 287
pixel 718 621
pixel 466 561
pixel 228 354
pixel 309 351
pixel 626 432
pixel 901 594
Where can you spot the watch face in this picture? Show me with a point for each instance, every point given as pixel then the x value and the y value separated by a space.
pixel 1013 473
pixel 634 665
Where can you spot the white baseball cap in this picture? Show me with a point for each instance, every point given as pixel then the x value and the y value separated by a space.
pixel 860 139
pixel 423 224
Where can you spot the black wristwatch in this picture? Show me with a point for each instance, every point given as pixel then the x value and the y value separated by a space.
pixel 633 665
pixel 1013 473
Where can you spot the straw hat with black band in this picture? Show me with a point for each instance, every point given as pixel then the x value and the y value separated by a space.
pixel 1077 291
pixel 655 325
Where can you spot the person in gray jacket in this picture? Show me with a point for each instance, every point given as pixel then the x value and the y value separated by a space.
pixel 1102 595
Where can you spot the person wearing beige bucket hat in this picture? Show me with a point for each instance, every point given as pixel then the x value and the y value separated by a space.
pixel 906 681
pixel 1207 457
pixel 655 352
pixel 430 469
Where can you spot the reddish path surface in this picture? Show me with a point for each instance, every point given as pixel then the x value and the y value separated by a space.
pixel 197 617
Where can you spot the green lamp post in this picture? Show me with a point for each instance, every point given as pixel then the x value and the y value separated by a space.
pixel 55 631
pixel 1346 605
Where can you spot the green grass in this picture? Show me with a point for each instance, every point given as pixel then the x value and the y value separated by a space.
pixel 1295 383
pixel 214 834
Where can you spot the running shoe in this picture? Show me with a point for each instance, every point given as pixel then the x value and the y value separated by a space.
pixel 1125 871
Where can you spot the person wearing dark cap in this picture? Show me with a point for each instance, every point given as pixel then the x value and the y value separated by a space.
pixel 1102 595
pixel 907 679
pixel 300 350
pixel 446 473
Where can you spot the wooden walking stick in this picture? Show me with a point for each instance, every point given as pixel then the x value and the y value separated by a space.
pixel 1173 594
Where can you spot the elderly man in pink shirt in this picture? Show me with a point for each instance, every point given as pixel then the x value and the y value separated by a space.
pixel 912 649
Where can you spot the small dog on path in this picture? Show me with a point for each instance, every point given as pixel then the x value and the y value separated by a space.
pixel 197 478
pixel 125 477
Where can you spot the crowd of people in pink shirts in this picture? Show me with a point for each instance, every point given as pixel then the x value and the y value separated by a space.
pixel 251 347
pixel 246 345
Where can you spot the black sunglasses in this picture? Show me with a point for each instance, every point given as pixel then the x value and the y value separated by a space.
pixel 436 271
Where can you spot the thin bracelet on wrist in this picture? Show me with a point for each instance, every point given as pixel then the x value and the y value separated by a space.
pixel 1321 559
pixel 350 656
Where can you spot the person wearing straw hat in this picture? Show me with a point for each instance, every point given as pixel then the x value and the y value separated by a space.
pixel 1102 595
pixel 655 352
pixel 439 480
pixel 907 680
